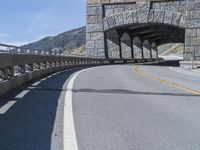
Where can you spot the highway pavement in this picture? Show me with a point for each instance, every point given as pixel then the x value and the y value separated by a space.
pixel 117 107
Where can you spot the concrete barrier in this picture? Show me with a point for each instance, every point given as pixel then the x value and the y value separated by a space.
pixel 31 66
pixel 190 64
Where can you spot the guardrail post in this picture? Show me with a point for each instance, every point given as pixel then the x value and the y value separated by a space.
pixel 38 66
pixel 57 64
pixel 65 62
pixel 5 72
pixel 22 69
pixel 31 67
pixel 11 71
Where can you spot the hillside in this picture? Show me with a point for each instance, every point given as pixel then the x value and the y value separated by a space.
pixel 176 49
pixel 67 41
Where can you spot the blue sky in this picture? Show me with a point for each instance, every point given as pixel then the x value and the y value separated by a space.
pixel 24 21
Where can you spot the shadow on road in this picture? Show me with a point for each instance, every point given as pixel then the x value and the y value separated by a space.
pixel 122 91
pixel 29 123
pixel 174 63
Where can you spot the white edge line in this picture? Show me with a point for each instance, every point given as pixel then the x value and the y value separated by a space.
pixel 183 72
pixel 6 107
pixel 69 133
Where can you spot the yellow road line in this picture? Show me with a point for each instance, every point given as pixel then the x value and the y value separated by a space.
pixel 144 74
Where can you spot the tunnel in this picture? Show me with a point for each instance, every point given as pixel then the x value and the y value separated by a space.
pixel 141 41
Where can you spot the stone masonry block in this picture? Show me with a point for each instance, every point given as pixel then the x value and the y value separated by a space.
pixel 99 44
pixel 188 56
pixel 94 19
pixel 189 49
pixel 111 21
pixel 94 27
pixel 119 19
pixel 197 52
pixel 97 35
pixel 105 24
pixel 188 41
pixel 195 41
pixel 159 16
pixel 192 23
pixel 191 32
pixel 128 17
pixel 90 44
pixel 94 10
pixel 168 17
pixel 176 17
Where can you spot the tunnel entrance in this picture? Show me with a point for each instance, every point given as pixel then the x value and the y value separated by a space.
pixel 127 29
pixel 141 41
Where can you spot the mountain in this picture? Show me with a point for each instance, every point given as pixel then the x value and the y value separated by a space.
pixel 176 49
pixel 64 42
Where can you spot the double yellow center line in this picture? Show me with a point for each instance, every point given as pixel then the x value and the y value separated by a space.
pixel 144 74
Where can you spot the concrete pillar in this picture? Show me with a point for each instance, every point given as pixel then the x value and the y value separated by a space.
pixel 126 46
pixel 113 44
pixel 154 50
pixel 95 32
pixel 105 45
pixel 151 53
pixel 132 49
pixel 157 53
pixel 120 48
pixel 146 49
pixel 137 48
pixel 142 49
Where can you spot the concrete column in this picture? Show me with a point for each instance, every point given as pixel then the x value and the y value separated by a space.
pixel 151 52
pixel 137 48
pixel 126 46
pixel 142 50
pixel 105 45
pixel 157 52
pixel 154 50
pixel 146 49
pixel 95 46
pixel 120 48
pixel 132 49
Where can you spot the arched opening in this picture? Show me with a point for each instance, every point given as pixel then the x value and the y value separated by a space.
pixel 171 51
pixel 146 49
pixel 126 46
pixel 154 50
pixel 137 48
pixel 145 39
pixel 113 44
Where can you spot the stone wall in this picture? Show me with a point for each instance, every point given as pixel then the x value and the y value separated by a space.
pixel 94 31
pixel 192 35
pixel 104 15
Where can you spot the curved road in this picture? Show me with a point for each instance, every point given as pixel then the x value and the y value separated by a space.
pixel 119 107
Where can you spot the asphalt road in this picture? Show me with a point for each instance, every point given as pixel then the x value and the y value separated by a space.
pixel 115 108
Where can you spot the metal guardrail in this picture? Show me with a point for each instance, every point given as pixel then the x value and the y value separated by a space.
pixel 5 48
pixel 15 61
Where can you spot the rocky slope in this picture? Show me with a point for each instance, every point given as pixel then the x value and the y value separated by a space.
pixel 64 42
pixel 176 49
